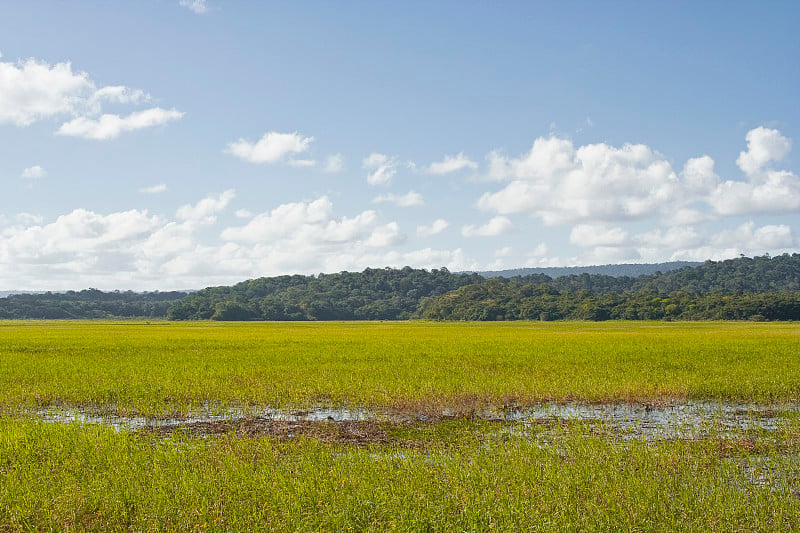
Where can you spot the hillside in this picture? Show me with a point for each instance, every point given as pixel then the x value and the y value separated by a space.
pixel 87 304
pixel 374 294
pixel 743 288
pixel 630 270
pixel 759 288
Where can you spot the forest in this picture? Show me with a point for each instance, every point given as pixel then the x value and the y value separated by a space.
pixel 758 288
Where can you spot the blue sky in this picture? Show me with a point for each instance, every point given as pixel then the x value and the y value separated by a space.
pixel 185 143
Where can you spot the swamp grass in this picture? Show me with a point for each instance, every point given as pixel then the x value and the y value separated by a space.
pixel 168 368
pixel 465 474
pixel 465 477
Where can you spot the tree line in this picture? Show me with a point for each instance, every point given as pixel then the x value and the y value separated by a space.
pixel 758 288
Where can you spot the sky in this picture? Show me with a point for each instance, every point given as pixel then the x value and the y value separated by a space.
pixel 179 144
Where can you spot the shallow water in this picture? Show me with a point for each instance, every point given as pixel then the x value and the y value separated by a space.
pixel 684 420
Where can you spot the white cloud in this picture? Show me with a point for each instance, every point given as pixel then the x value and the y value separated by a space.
pixel 504 251
pixel 496 226
pixel 683 243
pixel 198 6
pixel 597 235
pixel 312 224
pixel 34 172
pixel 684 216
pixel 766 190
pixel 334 164
pixel 598 183
pixel 133 249
pixel 438 226
pixel 271 148
pixel 28 219
pixel 155 189
pixel 76 235
pixel 452 164
pixel 655 243
pixel 205 210
pixel 410 199
pixel 384 236
pixel 111 126
pixel 779 192
pixel 561 184
pixel 763 146
pixel 244 213
pixel 698 175
pixel 32 90
pixel 541 250
pixel 382 167
pixel 119 94
pixel 749 237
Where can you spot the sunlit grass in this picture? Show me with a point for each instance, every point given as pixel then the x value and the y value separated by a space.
pixel 457 475
pixel 182 367
pixel 77 477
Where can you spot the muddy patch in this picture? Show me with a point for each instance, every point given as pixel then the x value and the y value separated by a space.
pixel 360 432
pixel 686 420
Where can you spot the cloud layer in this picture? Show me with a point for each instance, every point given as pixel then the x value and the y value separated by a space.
pixel 33 90
pixel 557 204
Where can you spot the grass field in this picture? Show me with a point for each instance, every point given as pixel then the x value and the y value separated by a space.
pixel 164 368
pixel 418 473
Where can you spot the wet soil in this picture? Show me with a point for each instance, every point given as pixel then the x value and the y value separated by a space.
pixel 684 420
pixel 360 432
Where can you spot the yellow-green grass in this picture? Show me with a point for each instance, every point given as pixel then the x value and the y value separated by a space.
pixel 165 367
pixel 70 477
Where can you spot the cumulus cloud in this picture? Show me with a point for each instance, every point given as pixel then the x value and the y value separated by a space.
pixel 155 189
pixel 110 126
pixel 76 236
pixel 435 228
pixel 698 175
pixel 382 168
pixel 597 235
pixel 597 183
pixel 271 148
pixel 766 190
pixel 305 223
pixel 561 184
pixel 410 199
pixel 681 243
pixel 334 164
pixel 34 90
pixel 119 94
pixel 763 146
pixel 452 164
pixel 197 6
pixel 386 235
pixel 34 172
pixel 496 226
pixel 137 250
pixel 778 193
pixel 205 210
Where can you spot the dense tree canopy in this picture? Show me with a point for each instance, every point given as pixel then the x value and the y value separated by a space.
pixel 758 288
pixel 89 303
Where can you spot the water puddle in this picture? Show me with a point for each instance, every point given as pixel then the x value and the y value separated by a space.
pixel 686 420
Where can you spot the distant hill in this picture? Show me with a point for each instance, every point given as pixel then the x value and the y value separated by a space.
pixel 631 270
pixel 758 288
pixel 87 304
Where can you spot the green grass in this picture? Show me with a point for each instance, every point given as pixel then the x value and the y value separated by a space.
pixel 64 477
pixel 455 475
pixel 163 368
